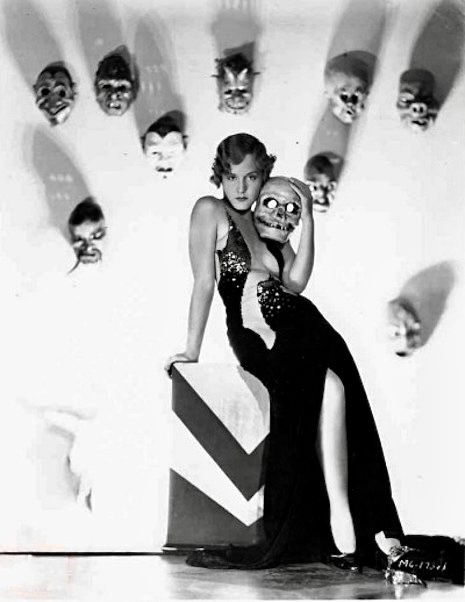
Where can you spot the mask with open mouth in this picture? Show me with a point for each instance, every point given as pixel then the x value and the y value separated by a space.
pixel 320 177
pixel 347 84
pixel 278 210
pixel 115 84
pixel 55 93
pixel 404 327
pixel 235 76
pixel 417 106
pixel 164 145
pixel 87 229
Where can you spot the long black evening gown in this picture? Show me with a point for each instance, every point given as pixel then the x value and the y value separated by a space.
pixel 282 339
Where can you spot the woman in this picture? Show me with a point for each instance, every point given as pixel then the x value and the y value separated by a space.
pixel 327 490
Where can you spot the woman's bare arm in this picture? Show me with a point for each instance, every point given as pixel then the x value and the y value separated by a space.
pixel 202 247
pixel 298 266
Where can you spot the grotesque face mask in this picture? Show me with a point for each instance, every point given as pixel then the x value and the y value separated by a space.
pixel 347 87
pixel 404 328
pixel 320 178
pixel 115 86
pixel 87 230
pixel 164 152
pixel 235 84
pixel 55 93
pixel 416 104
pixel 278 210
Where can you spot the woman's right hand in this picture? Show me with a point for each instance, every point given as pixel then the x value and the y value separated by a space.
pixel 179 357
pixel 306 198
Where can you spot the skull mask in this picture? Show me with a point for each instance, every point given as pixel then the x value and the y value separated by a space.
pixel 235 83
pixel 320 177
pixel 164 145
pixel 87 230
pixel 55 93
pixel 416 104
pixel 347 86
pixel 115 84
pixel 278 210
pixel 404 327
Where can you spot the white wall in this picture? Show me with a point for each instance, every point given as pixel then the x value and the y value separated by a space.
pixel 96 340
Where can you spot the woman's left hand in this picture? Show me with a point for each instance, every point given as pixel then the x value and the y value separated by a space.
pixel 305 197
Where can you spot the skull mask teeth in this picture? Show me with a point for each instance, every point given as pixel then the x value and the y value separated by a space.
pixel 276 218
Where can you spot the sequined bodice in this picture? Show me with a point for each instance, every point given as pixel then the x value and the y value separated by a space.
pixel 240 286
pixel 235 261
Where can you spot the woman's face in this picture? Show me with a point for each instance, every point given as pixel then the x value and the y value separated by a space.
pixel 242 185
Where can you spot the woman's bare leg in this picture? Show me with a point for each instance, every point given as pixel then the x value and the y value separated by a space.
pixel 332 450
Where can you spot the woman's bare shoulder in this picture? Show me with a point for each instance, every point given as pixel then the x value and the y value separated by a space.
pixel 209 207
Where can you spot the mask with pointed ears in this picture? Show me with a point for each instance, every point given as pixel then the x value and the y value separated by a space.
pixel 235 77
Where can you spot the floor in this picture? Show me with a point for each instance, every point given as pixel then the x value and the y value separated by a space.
pixel 150 578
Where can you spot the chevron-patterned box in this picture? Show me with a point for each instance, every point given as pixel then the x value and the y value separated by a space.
pixel 221 421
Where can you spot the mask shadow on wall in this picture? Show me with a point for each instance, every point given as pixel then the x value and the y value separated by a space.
pixel 235 24
pixel 24 24
pixel 99 31
pixel 236 31
pixel 434 65
pixel 155 59
pixel 415 313
pixel 62 181
pixel 349 74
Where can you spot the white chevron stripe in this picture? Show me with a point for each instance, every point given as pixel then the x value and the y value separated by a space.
pixel 195 465
pixel 236 397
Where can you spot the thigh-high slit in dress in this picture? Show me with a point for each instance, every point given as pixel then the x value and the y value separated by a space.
pixel 283 340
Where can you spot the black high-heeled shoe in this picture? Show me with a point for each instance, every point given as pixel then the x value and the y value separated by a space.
pixel 348 562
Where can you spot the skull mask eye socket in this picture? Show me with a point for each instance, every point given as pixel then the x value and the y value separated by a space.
pixel 292 208
pixel 270 203
pixel 43 91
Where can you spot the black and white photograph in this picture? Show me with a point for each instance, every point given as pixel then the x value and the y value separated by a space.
pixel 232 257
